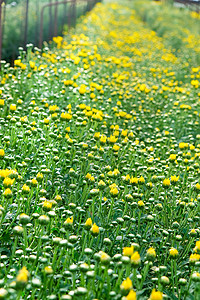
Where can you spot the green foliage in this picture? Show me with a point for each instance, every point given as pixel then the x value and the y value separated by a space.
pixel 100 164
pixel 174 24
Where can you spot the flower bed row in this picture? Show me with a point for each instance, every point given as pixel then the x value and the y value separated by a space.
pixel 99 166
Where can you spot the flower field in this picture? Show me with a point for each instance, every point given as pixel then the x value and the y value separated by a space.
pixel 100 164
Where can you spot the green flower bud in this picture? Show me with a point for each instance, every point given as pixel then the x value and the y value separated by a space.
pixel 164 280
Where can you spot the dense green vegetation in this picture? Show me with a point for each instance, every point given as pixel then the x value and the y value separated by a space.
pixel 100 164
pixel 179 27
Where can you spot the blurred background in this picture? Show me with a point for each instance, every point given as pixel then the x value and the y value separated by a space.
pixel 35 21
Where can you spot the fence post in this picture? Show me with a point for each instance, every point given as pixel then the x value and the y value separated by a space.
pixel 26 24
pixel 1 1
pixel 64 15
pixel 4 18
pixel 55 19
pixel 50 21
pixel 73 13
pixel 37 10
pixel 88 5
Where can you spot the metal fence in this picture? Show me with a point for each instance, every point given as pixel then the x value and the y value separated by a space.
pixel 191 4
pixel 35 21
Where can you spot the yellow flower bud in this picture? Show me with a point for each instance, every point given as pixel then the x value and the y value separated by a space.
pixel 88 224
pixel 173 253
pixel 94 229
pixel 126 286
pixel 135 259
pixel 156 295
